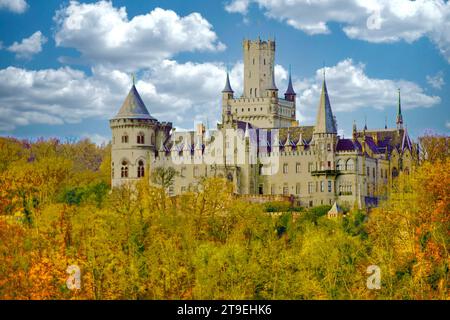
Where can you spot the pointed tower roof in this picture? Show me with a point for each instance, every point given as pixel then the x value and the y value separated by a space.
pixel 272 85
pixel 325 121
pixel 227 85
pixel 133 107
pixel 290 89
pixel 399 112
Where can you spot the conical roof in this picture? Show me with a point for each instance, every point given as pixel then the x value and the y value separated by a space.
pixel 290 89
pixel 325 121
pixel 133 107
pixel 227 86
pixel 272 85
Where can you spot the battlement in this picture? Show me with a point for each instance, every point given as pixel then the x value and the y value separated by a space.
pixel 258 44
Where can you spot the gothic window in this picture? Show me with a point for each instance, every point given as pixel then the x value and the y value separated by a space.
pixel 394 172
pixel 373 172
pixel 125 138
pixel 297 167
pixel 339 165
pixel 124 169
pixel 329 185
pixel 112 170
pixel 264 61
pixel 140 138
pixel 285 190
pixel 297 188
pixel 141 170
pixel 253 60
pixel 322 186
pixel 349 165
pixel 285 168
pixel 328 147
pixel 251 91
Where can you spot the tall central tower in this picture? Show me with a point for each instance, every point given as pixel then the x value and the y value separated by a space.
pixel 259 61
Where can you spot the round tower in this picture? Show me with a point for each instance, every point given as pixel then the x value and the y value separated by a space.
pixel 133 140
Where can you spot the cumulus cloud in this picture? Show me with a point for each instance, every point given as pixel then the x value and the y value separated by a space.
pixel 17 6
pixel 103 34
pixel 239 6
pixel 436 81
pixel 374 21
pixel 181 93
pixel 28 46
pixel 350 88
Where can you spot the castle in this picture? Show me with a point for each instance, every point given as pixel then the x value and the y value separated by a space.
pixel 261 148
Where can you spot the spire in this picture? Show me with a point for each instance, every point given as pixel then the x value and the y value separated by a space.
pixel 365 122
pixel 399 113
pixel 385 122
pixel 227 88
pixel 325 121
pixel 290 93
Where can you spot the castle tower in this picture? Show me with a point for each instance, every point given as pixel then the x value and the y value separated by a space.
pixel 227 95
pixel 259 62
pixel 133 139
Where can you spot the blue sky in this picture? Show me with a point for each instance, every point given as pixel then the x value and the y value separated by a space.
pixel 65 66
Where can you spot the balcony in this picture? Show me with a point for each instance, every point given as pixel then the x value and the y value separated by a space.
pixel 325 172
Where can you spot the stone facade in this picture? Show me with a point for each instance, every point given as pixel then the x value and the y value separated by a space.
pixel 261 148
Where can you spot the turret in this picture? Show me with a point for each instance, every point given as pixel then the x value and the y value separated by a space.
pixel 227 92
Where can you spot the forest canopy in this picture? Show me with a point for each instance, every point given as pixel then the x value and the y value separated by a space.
pixel 57 209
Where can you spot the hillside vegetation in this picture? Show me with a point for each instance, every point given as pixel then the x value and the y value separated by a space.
pixel 57 210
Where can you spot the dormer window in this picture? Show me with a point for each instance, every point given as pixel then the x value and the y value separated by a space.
pixel 140 138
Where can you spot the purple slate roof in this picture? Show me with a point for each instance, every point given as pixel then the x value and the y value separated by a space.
pixel 346 145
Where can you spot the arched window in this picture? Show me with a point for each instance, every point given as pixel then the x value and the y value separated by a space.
pixel 349 165
pixel 251 91
pixel 140 138
pixel 256 91
pixel 339 165
pixel 125 138
pixel 140 170
pixel 394 172
pixel 124 169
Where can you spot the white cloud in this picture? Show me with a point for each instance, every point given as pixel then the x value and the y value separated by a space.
pixel 447 124
pixel 103 34
pixel 51 96
pixel 350 88
pixel 436 81
pixel 183 93
pixel 96 138
pixel 372 20
pixel 238 6
pixel 28 46
pixel 17 6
